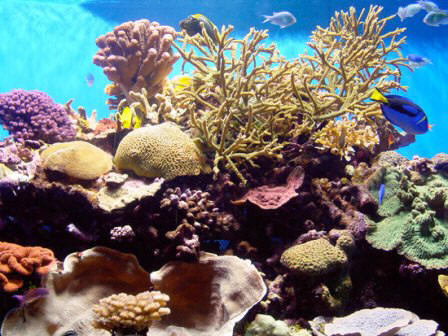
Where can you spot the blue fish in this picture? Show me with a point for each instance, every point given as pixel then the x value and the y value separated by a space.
pixel 381 193
pixel 402 112
pixel 223 244
pixel 90 80
pixel 417 61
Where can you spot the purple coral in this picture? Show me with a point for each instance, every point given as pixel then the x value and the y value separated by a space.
pixel 33 115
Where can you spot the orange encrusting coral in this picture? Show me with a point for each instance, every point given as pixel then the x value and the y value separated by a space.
pixel 17 261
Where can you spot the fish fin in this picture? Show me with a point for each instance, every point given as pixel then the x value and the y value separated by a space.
pixel 197 16
pixel 421 120
pixel 378 96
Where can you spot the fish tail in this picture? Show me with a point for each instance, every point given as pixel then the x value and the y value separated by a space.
pixel 378 96
pixel 266 18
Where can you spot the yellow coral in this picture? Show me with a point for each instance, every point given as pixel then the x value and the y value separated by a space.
pixel 123 311
pixel 443 283
pixel 159 151
pixel 314 258
pixel 342 136
pixel 78 159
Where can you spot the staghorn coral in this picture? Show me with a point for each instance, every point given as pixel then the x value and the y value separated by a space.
pixel 246 102
pixel 130 312
pixel 159 151
pixel 18 261
pixel 77 159
pixel 136 55
pixel 33 115
pixel 232 103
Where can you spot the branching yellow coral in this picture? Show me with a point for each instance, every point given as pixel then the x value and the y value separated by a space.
pixel 245 101
pixel 341 136
pixel 130 312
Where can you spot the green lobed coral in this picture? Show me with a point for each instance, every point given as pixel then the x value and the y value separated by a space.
pixel 412 217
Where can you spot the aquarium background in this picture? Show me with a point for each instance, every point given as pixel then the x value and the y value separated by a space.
pixel 49 46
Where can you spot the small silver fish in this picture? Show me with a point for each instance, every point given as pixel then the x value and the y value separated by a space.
pixel 428 6
pixel 408 11
pixel 283 19
pixel 436 19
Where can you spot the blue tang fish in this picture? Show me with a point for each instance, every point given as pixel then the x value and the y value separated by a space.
pixel 381 193
pixel 90 80
pixel 402 112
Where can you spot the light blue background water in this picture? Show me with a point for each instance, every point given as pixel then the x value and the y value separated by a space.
pixel 49 45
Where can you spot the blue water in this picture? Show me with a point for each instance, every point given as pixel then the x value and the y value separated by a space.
pixel 49 45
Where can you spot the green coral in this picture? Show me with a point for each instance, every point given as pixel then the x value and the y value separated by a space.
pixel 412 220
pixel 314 258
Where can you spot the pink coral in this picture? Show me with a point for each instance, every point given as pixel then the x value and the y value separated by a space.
pixel 267 197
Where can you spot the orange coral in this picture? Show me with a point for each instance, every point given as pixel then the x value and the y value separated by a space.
pixel 17 261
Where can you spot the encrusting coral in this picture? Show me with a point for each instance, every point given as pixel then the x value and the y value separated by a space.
pixel 162 150
pixel 130 312
pixel 77 159
pixel 136 55
pixel 247 102
pixel 17 262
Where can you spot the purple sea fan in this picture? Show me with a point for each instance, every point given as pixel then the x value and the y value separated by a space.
pixel 33 115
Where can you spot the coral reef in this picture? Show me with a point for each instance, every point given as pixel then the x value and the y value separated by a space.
pixel 130 312
pixel 77 159
pixel 304 214
pixel 17 262
pixel 159 151
pixel 136 55
pixel 33 115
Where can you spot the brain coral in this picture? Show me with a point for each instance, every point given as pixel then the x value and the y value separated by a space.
pixel 158 151
pixel 78 159
pixel 314 258
pixel 413 220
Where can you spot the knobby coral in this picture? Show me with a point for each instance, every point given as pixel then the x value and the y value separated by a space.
pixel 18 261
pixel 130 312
pixel 136 55
pixel 33 115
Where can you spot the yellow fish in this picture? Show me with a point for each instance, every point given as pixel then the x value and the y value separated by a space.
pixel 129 119
pixel 181 82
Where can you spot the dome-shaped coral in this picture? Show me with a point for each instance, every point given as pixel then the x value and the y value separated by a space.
pixel 78 159
pixel 159 151
pixel 314 258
